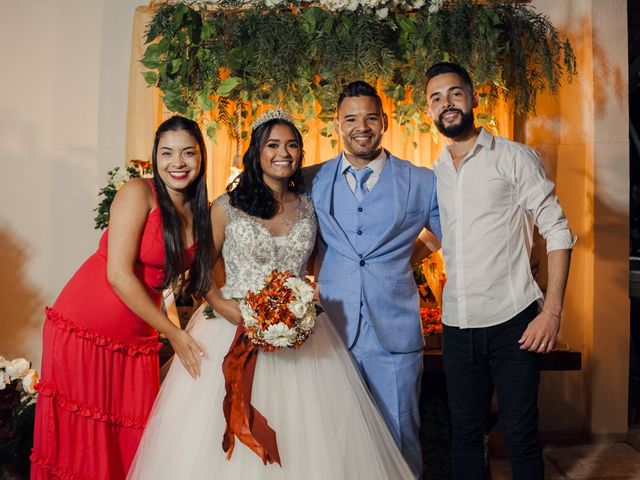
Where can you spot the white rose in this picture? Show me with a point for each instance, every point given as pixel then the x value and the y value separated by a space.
pixel 435 6
pixel 280 336
pixel 3 362
pixel 308 321
pixel 17 368
pixel 293 282
pixel 250 322
pixel 29 382
pixel 299 309
pixel 121 177
pixel 247 315
pixel 382 13
pixel 306 294
pixel 418 4
pixel 4 380
pixel 301 289
pixel 353 5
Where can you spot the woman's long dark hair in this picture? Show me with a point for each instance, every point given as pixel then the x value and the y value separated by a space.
pixel 249 193
pixel 199 278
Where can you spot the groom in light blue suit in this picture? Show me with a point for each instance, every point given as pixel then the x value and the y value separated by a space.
pixel 371 207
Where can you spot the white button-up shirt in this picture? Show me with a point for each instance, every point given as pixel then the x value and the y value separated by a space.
pixel 487 211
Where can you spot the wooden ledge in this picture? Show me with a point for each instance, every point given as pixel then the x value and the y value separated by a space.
pixel 554 361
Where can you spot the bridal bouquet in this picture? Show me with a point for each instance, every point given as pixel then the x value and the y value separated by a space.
pixel 278 314
pixel 281 314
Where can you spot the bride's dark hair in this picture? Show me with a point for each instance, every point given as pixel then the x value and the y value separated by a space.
pixel 248 192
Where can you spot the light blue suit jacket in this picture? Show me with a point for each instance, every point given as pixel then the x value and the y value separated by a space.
pixel 379 284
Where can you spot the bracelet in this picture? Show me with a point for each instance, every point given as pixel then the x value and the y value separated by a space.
pixel 555 315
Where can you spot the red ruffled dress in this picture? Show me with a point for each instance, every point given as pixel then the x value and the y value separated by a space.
pixel 100 372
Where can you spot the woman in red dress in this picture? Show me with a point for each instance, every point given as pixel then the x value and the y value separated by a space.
pixel 100 372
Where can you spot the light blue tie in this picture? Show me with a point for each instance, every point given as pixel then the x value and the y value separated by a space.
pixel 360 177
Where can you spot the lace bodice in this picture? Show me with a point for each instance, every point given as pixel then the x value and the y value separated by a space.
pixel 251 252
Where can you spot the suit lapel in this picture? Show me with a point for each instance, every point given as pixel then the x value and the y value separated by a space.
pixel 323 197
pixel 401 178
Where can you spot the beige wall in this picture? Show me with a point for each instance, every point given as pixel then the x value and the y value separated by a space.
pixel 583 136
pixel 63 92
pixel 62 124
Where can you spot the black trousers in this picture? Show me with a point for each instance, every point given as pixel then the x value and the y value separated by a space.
pixel 476 360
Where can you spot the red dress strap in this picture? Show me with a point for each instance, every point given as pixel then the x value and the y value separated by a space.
pixel 155 194
pixel 153 189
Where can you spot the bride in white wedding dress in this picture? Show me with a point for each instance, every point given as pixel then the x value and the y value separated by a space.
pixel 327 426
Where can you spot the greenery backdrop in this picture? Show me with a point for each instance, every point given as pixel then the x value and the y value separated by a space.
pixel 231 57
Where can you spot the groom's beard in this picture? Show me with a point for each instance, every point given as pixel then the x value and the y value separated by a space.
pixel 456 129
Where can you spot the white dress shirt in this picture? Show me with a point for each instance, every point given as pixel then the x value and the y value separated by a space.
pixel 376 166
pixel 487 211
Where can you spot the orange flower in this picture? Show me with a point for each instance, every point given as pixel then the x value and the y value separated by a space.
pixel 431 320
pixel 224 73
pixel 140 164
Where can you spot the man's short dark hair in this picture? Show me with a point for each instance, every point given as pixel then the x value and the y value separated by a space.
pixel 359 89
pixel 448 67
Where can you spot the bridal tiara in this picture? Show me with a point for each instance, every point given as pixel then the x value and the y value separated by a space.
pixel 274 114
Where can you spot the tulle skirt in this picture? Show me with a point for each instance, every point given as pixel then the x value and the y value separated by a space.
pixel 326 423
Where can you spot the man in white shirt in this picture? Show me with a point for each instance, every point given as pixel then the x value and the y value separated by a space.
pixel 491 191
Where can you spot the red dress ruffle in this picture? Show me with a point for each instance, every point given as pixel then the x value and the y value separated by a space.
pixel 100 372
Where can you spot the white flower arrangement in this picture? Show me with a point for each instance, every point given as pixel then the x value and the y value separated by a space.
pixel 18 372
pixel 17 409
pixel 116 178
pixel 380 7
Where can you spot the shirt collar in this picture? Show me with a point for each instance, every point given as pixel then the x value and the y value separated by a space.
pixel 485 140
pixel 375 165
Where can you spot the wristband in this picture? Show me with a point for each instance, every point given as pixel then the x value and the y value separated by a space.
pixel 555 315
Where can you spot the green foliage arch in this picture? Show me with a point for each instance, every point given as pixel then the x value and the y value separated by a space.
pixel 229 57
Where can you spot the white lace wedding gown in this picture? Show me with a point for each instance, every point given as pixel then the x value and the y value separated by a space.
pixel 326 424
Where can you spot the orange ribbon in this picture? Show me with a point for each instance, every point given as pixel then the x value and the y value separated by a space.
pixel 243 420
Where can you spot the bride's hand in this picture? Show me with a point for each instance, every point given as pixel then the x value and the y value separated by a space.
pixel 187 350
pixel 230 310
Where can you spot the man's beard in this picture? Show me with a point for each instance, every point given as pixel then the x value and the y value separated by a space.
pixel 455 130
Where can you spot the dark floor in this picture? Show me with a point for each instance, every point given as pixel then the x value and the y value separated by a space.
pixel 584 461
pixel 579 461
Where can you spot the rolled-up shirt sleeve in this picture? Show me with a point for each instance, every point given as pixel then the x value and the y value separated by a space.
pixel 536 195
